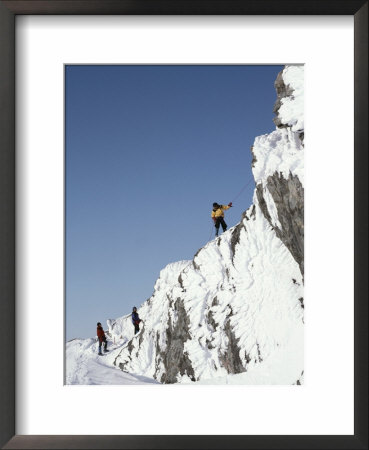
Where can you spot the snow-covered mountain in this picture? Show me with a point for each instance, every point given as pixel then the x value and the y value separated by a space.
pixel 235 312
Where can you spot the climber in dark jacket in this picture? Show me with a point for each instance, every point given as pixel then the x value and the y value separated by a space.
pixel 136 320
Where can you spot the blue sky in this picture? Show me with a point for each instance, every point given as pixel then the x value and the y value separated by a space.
pixel 148 150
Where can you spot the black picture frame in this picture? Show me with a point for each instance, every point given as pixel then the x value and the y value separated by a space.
pixel 8 11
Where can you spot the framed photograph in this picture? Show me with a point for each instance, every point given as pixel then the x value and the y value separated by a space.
pixel 253 336
pixel 184 333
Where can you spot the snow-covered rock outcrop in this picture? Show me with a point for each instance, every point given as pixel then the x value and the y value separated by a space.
pixel 278 164
pixel 237 307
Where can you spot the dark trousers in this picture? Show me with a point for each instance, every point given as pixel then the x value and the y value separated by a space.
pixel 105 344
pixel 220 221
pixel 137 327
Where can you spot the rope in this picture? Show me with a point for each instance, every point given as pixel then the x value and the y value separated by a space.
pixel 251 179
pixel 211 232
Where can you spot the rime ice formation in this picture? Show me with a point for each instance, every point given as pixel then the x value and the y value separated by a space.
pixel 235 312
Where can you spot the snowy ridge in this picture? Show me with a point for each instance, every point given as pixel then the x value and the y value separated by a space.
pixel 236 317
pixel 235 313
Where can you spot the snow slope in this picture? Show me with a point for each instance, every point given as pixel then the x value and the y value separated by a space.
pixel 85 366
pixel 235 313
pixel 280 368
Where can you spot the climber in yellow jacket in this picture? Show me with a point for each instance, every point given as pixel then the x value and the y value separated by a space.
pixel 217 215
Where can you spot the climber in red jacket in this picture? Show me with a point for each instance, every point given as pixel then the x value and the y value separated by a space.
pixel 101 337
